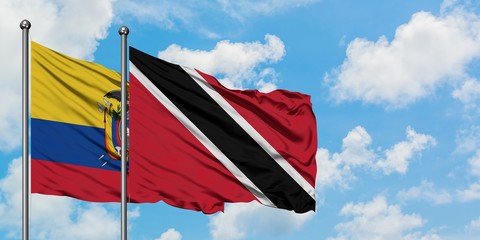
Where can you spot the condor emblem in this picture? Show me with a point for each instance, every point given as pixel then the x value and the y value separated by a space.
pixel 112 113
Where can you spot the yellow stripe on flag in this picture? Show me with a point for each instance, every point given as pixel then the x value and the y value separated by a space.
pixel 65 89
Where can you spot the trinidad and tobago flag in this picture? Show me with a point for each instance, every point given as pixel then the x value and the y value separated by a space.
pixel 195 144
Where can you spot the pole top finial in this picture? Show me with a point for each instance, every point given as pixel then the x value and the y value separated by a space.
pixel 123 30
pixel 25 24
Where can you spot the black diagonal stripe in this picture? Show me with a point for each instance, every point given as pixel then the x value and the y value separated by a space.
pixel 224 132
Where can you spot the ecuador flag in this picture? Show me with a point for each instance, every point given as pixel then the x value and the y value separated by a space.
pixel 75 122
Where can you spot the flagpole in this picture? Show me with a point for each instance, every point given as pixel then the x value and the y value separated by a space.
pixel 25 26
pixel 123 31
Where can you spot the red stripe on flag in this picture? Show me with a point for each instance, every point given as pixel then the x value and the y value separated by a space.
pixel 84 183
pixel 184 174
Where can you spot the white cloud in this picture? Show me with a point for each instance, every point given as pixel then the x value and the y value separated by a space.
pixel 398 157
pixel 169 14
pixel 331 171
pixel 468 140
pixel 470 194
pixel 241 220
pixel 170 234
pixel 413 65
pixel 243 9
pixel 53 217
pixel 337 168
pixel 243 69
pixel 134 213
pixel 473 226
pixel 471 231
pixel 172 15
pixel 72 27
pixel 420 236
pixel 80 222
pixel 468 94
pixel 447 5
pixel 425 191
pixel 379 220
pixel 11 195
pixel 164 13
pixel 474 163
pixel 357 152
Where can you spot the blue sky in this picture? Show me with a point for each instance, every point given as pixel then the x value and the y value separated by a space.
pixel 395 88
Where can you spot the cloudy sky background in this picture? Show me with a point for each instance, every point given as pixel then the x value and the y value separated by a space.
pixel 394 84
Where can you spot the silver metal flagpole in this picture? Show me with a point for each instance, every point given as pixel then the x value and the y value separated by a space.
pixel 123 31
pixel 25 26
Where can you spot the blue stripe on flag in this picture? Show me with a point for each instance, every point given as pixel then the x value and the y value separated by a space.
pixel 71 144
